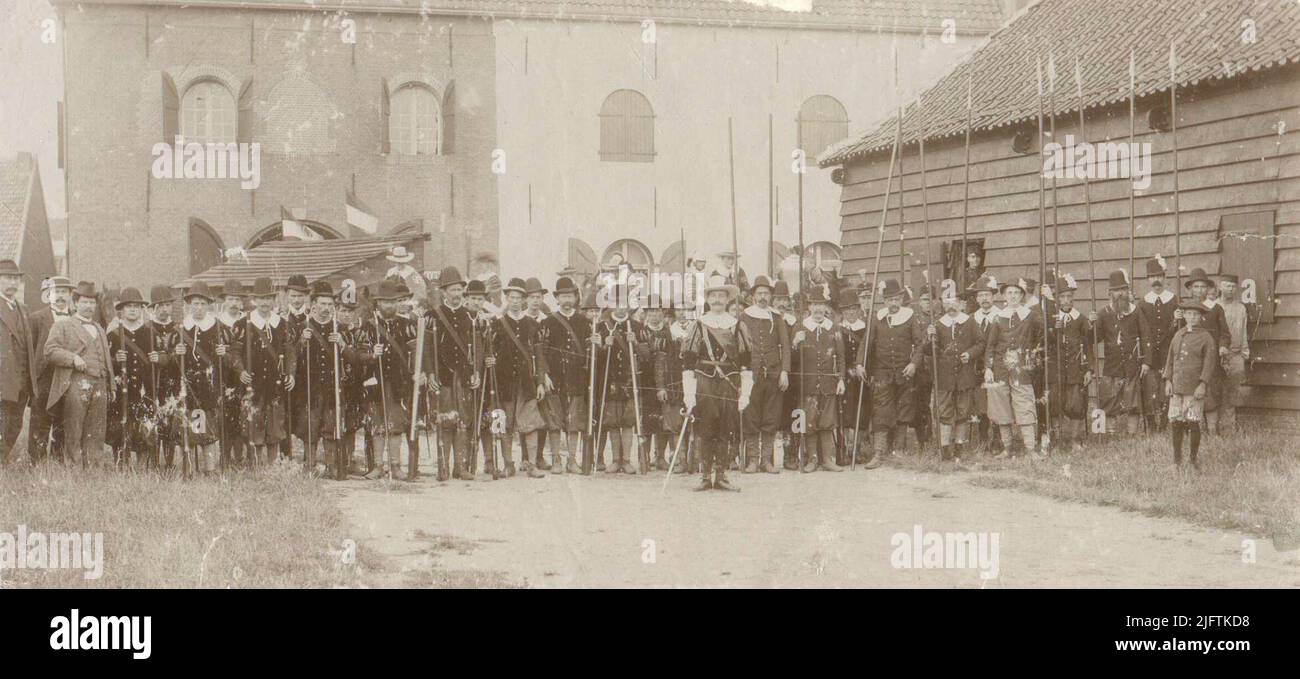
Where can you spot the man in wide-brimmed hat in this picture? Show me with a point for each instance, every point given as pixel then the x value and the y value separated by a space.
pixel 1234 352
pixel 1158 308
pixel 296 307
pixel 565 342
pixel 83 378
pixel 770 363
pixel 515 384
pixel 624 343
pixel 18 367
pixel 1013 354
pixel 264 344
pixel 820 347
pixel 45 430
pixel 890 361
pixel 163 338
pixel 132 412
pixel 1124 337
pixel 232 301
pixel 957 346
pixel 1069 351
pixel 716 382
pixel 318 345
pixel 203 349
pixel 460 361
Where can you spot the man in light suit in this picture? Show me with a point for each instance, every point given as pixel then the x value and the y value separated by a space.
pixel 45 431
pixel 16 357
pixel 83 373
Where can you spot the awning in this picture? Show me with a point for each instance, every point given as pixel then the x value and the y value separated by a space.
pixel 317 260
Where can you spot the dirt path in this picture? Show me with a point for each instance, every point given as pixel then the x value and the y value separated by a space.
pixel 790 530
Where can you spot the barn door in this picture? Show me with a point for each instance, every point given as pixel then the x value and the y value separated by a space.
pixel 1246 249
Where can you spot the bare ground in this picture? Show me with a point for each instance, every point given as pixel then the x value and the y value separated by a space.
pixel 787 530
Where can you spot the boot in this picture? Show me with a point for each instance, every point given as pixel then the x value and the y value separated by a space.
pixel 813 452
pixel 720 481
pixel 706 467
pixel 444 465
pixel 1004 436
pixel 879 448
pixel 557 462
pixel 751 453
pixel 1028 437
pixel 571 464
pixel 826 452
pixel 791 455
pixel 767 451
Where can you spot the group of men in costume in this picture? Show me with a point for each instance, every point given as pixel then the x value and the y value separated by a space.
pixel 246 370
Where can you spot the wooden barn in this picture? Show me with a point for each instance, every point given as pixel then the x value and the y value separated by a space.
pixel 1224 189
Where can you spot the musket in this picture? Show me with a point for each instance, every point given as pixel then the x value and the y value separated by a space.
pixel 157 401
pixel 340 463
pixel 497 443
pixel 383 394
pixel 221 396
pixel 591 403
pixel 604 392
pixel 636 396
pixel 185 408
pixel 126 388
pixel 803 435
pixel 415 375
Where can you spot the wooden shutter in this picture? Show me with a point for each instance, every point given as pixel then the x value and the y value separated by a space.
pixel 448 136
pixel 244 132
pixel 582 257
pixel 171 121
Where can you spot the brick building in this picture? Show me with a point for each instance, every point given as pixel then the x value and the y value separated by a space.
pixel 520 132
pixel 24 226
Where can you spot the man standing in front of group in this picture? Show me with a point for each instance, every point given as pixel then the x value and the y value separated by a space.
pixel 270 359
pixel 1123 336
pixel 17 358
pixel 958 345
pixel 1157 308
pixel 770 362
pixel 78 349
pixel 1012 356
pixel 460 358
pixel 565 340
pixel 132 412
pixel 890 358
pixel 821 359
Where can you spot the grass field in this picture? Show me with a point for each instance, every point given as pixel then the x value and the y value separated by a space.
pixel 274 529
pixel 1260 494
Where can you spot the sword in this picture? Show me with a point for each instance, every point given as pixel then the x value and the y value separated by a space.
pixel 687 418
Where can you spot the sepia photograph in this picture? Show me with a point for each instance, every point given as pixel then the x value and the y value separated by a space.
pixel 650 294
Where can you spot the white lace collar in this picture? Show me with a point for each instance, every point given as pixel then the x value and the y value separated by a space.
pixel 755 311
pixel 571 314
pixel 204 325
pixel 1073 313
pixel 903 315
pixel 719 321
pixel 515 316
pixel 1019 312
pixel 982 316
pixel 813 326
pixel 260 323
pixel 855 325
pixel 1164 296
pixel 679 330
pixel 1210 303
pixel 228 320
pixel 948 321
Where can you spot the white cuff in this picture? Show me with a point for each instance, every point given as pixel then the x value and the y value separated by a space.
pixel 746 384
pixel 688 388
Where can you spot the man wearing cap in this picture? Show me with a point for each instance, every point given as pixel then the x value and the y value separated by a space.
pixel 1123 335
pixel 18 369
pixel 821 381
pixel 262 343
pixel 958 346
pixel 1012 356
pixel 132 413
pixel 623 411
pixel 1189 370
pixel 1234 352
pixel 1069 348
pixel 78 349
pixel 235 441
pixel 716 381
pixel 564 345
pixel 296 298
pixel 1157 308
pixel 924 382
pixel 317 345
pixel 769 354
pixel 163 338
pixel 203 349
pixel 891 359
pixel 855 404
pixel 45 430
pixel 514 385
pixel 982 291
pixel 459 360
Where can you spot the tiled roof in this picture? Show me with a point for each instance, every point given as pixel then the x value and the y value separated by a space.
pixel 972 16
pixel 15 183
pixel 316 260
pixel 1208 37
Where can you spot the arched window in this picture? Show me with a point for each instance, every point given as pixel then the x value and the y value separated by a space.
pixel 627 128
pixel 208 113
pixel 822 122
pixel 413 125
pixel 206 248
pixel 274 232
pixel 825 255
pixel 627 250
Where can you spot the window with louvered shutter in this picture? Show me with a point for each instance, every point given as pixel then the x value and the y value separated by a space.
pixel 627 128
pixel 822 122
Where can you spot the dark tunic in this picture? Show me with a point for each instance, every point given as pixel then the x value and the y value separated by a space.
pixel 717 355
pixel 1123 337
pixel 200 365
pixel 1070 356
pixel 133 385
